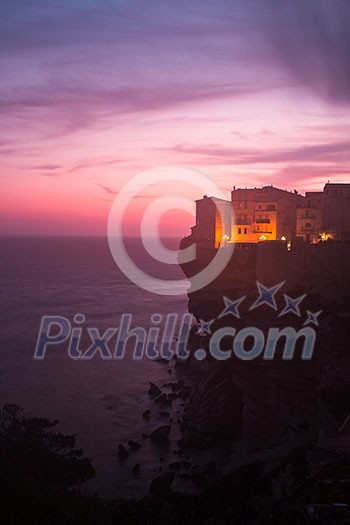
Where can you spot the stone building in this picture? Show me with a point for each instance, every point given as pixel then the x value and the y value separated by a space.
pixel 271 214
pixel 213 222
pixel 336 211
pixel 264 214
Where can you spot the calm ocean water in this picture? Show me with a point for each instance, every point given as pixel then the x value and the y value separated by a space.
pixel 100 401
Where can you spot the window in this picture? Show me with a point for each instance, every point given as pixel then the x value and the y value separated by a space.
pixel 308 225
pixel 239 231
pixel 258 228
pixel 245 231
pixel 271 207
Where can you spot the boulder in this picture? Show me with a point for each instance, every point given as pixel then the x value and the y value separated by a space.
pixel 154 390
pixel 160 433
pixel 122 451
pixel 163 398
pixel 175 466
pixel 146 414
pixel 161 485
pixel 133 444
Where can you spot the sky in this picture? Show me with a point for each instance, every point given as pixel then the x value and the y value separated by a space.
pixel 249 92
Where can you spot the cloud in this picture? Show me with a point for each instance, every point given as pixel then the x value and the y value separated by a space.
pixel 216 154
pixel 67 109
pixel 214 41
pixel 93 163
pixel 107 189
pixel 311 40
pixel 47 167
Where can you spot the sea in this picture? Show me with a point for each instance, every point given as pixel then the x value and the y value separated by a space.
pixel 100 401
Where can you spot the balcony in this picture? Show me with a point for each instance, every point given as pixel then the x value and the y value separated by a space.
pixel 240 221
pixel 309 229
pixel 262 210
pixel 262 221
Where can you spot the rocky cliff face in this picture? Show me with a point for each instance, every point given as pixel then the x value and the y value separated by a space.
pixel 260 404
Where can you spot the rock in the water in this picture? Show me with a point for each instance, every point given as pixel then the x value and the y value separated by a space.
pixel 122 451
pixel 146 414
pixel 136 468
pixel 199 472
pixel 133 444
pixel 154 390
pixel 161 433
pixel 208 468
pixel 163 398
pixel 172 396
pixel 175 466
pixel 184 393
pixel 161 485
pixel 178 385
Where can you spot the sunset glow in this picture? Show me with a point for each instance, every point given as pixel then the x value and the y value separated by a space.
pixel 93 93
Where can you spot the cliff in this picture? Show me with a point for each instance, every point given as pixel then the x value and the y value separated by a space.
pixel 261 404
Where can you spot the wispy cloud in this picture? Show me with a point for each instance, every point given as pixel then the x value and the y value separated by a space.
pixel 325 152
pixel 312 41
pixel 47 167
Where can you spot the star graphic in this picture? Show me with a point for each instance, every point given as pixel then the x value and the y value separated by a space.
pixel 267 295
pixel 312 317
pixel 204 327
pixel 232 307
pixel 292 305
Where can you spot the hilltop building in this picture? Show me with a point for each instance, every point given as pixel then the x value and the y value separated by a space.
pixel 264 214
pixel 213 221
pixel 309 217
pixel 270 214
pixel 336 211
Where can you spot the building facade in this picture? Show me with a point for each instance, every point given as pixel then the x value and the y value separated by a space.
pixel 270 214
pixel 213 222
pixel 264 214
pixel 336 211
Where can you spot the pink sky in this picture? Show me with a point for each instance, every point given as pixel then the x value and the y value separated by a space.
pixel 95 93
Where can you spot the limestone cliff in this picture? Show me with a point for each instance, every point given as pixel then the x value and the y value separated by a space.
pixel 258 404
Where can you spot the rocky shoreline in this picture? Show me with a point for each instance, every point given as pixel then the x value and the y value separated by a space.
pixel 290 418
